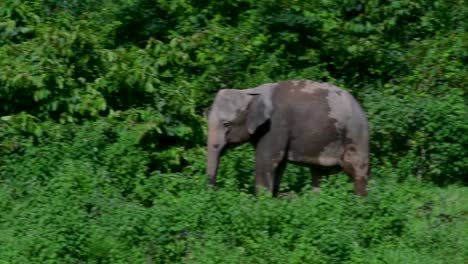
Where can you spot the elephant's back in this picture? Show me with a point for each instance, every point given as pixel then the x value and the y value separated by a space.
pixel 319 101
pixel 311 101
pixel 319 117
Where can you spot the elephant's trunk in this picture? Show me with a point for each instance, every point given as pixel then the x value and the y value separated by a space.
pixel 215 147
pixel 212 166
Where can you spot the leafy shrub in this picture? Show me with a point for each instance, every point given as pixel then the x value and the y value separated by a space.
pixel 424 136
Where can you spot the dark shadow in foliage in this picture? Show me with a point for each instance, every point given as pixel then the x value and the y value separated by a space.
pixel 127 97
pixel 74 7
pixel 143 20
pixel 147 19
pixel 230 10
pixel 293 30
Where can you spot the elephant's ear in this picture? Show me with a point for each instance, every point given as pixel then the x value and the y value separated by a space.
pixel 260 108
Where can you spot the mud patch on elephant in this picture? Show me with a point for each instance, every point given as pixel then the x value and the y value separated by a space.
pixel 339 109
pixel 298 83
pixel 312 142
pixel 330 154
pixel 308 87
pixel 354 161
pixel 300 86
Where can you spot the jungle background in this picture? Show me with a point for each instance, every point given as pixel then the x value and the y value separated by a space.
pixel 102 134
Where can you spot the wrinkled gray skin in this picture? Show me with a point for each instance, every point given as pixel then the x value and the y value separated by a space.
pixel 309 123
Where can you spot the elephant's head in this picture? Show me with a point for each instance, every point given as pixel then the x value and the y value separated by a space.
pixel 234 117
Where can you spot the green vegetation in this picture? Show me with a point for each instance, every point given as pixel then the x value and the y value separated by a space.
pixel 102 133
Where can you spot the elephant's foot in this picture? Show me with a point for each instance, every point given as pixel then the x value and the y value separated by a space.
pixel 360 187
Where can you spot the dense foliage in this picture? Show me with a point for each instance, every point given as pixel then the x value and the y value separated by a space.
pixel 102 132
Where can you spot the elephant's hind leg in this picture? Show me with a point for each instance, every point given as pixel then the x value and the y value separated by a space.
pixel 317 175
pixel 356 164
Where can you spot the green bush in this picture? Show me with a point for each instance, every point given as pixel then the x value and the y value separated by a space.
pixel 74 217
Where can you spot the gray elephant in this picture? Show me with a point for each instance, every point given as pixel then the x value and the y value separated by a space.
pixel 301 121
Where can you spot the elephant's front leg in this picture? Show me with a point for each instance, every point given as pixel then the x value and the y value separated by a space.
pixel 270 163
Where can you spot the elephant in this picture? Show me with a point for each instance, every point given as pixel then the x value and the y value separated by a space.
pixel 314 124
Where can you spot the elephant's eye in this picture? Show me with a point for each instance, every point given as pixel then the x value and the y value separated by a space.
pixel 226 123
